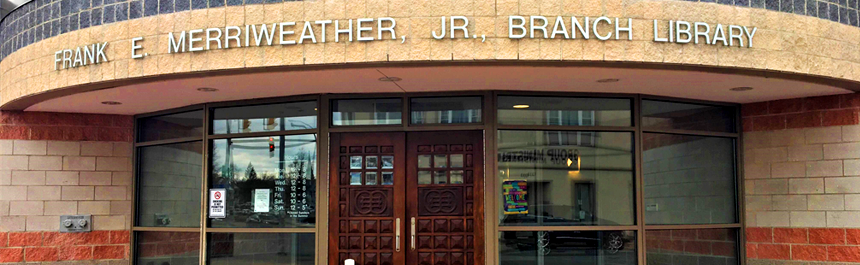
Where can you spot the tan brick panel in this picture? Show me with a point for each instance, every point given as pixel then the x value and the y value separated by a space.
pixel 803 177
pixel 56 178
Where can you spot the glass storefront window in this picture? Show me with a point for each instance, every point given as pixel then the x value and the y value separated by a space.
pixel 173 248
pixel 564 111
pixel 265 118
pixel 691 246
pixel 347 112
pixel 686 116
pixel 179 125
pixel 566 178
pixel 563 163
pixel 169 179
pixel 261 248
pixel 688 179
pixel 567 247
pixel 443 110
pixel 269 181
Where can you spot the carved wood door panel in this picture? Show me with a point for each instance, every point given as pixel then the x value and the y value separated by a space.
pixel 367 186
pixel 445 198
pixel 434 179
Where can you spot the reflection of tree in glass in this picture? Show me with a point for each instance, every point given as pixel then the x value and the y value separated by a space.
pixel 290 168
pixel 299 164
pixel 250 173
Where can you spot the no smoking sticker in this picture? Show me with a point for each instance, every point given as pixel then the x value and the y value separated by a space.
pixel 217 207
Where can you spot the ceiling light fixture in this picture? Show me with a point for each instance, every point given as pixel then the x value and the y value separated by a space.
pixel 207 89
pixel 390 79
pixel 111 103
pixel 741 88
pixel 608 80
pixel 521 106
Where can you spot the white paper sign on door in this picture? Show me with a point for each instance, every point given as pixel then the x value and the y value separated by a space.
pixel 261 200
pixel 217 208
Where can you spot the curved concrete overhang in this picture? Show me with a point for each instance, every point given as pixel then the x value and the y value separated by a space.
pixel 792 56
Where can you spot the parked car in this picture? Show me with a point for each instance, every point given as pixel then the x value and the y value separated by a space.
pixel 547 241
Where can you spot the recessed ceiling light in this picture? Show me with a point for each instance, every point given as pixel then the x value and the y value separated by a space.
pixel 390 79
pixel 741 88
pixel 207 89
pixel 608 80
pixel 111 103
pixel 521 106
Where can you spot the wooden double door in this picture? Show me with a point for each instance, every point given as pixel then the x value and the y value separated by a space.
pixel 407 198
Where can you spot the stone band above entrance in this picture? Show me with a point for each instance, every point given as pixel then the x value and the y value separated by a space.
pixel 818 50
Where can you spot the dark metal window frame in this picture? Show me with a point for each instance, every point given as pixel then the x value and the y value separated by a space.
pixel 489 125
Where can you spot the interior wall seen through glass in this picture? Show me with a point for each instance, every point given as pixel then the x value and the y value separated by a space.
pixel 687 116
pixel 179 125
pixel 167 248
pixel 261 248
pixel 443 110
pixel 567 247
pixel 265 118
pixel 688 179
pixel 566 178
pixel 565 111
pixel 268 181
pixel 169 180
pixel 347 112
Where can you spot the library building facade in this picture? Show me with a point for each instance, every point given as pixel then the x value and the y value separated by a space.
pixel 430 132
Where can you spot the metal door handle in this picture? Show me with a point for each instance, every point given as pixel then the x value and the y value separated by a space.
pixel 413 233
pixel 397 235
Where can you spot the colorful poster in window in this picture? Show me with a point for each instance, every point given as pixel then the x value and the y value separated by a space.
pixel 515 196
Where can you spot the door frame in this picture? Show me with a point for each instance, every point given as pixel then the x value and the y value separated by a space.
pixel 404 211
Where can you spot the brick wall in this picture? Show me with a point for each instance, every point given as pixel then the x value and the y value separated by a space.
pixel 802 179
pixel 691 246
pixel 54 164
pixel 177 248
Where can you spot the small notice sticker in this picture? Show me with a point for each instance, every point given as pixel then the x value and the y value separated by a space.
pixel 217 197
pixel 261 200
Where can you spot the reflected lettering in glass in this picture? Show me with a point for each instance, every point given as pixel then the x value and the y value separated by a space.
pixel 570 178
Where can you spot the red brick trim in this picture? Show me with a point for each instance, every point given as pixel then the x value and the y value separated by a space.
pixel 802 113
pixel 55 246
pixel 803 244
pixel 700 242
pixel 19 125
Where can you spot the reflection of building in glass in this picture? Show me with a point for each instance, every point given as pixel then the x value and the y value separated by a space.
pixel 571 181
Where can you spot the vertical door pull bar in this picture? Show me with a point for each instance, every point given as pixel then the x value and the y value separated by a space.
pixel 413 233
pixel 397 235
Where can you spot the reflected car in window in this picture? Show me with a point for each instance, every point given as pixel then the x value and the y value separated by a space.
pixel 262 218
pixel 546 242
pixel 585 218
